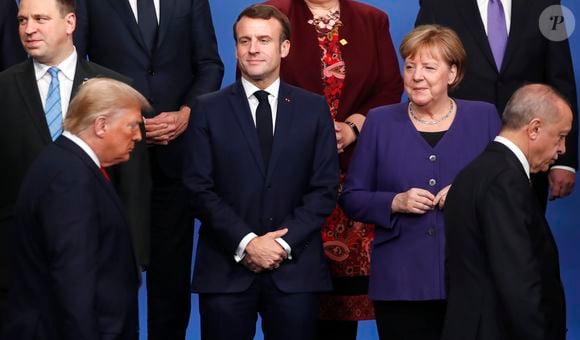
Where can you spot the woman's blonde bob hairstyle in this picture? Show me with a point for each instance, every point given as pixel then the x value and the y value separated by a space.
pixel 439 40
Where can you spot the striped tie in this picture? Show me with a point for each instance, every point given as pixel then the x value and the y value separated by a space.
pixel 53 109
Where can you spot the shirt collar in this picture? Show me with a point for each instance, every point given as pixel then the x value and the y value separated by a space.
pixel 67 67
pixel 83 145
pixel 517 151
pixel 250 88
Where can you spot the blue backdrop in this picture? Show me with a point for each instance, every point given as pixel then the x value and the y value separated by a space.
pixel 561 214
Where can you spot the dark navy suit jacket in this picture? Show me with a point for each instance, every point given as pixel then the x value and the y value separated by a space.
pixel 502 260
pixel 11 51
pixel 75 272
pixel 237 194
pixel 184 64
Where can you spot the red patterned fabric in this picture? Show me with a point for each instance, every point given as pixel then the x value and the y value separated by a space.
pixel 347 244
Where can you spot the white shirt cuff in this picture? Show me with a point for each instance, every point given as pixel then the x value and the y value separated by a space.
pixel 286 247
pixel 563 167
pixel 241 250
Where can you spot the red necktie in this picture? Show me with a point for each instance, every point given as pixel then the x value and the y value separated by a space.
pixel 104 172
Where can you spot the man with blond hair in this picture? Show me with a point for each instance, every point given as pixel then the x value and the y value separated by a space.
pixel 75 272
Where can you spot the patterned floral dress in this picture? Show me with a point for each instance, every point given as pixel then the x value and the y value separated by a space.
pixel 347 243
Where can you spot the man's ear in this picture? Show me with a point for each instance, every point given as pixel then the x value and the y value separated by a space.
pixel 533 128
pixel 100 126
pixel 285 48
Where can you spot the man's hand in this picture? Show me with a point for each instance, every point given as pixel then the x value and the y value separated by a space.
pixel 264 252
pixel 167 126
pixel 561 183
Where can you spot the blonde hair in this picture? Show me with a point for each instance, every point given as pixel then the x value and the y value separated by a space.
pixel 439 38
pixel 101 97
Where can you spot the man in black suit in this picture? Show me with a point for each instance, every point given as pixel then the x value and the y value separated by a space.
pixel 75 271
pixel 45 29
pixel 496 67
pixel 263 171
pixel 11 51
pixel 169 49
pixel 502 260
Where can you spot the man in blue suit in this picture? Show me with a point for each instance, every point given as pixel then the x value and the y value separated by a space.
pixel 11 51
pixel 169 50
pixel 263 170
pixel 75 274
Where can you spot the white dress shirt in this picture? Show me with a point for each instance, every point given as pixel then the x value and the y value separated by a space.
pixel 66 76
pixel 517 151
pixel 272 90
pixel 81 143
pixel 507 10
pixel 133 4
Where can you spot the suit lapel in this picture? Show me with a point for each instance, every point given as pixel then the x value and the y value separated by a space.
pixel 283 124
pixel 243 116
pixel 167 7
pixel 82 74
pixel 467 11
pixel 517 29
pixel 126 13
pixel 29 91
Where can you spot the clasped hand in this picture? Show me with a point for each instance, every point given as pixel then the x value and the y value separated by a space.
pixel 166 126
pixel 419 201
pixel 264 253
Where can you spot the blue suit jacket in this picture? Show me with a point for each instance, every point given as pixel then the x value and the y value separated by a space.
pixel 237 194
pixel 184 64
pixel 75 273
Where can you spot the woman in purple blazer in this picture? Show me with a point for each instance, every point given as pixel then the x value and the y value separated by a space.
pixel 406 158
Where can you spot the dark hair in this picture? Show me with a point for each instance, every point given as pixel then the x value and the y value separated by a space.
pixel 266 12
pixel 66 6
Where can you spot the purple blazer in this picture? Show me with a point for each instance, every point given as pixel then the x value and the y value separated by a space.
pixel 391 157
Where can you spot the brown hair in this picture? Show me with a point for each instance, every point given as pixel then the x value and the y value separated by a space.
pixel 101 97
pixel 266 12
pixel 440 38
pixel 66 6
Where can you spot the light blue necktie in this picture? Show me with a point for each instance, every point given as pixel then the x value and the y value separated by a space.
pixel 53 109
pixel 496 30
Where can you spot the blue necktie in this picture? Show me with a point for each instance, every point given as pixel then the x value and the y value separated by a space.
pixel 496 31
pixel 53 109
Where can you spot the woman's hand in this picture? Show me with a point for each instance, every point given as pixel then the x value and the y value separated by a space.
pixel 344 136
pixel 414 201
pixel 441 197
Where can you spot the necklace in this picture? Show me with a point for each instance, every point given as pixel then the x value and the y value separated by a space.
pixel 431 122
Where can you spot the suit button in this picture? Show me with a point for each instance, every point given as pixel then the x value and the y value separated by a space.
pixel 433 158
pixel 432 182
pixel 151 72
pixel 430 232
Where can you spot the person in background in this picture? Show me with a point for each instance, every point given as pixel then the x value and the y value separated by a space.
pixel 169 50
pixel 11 51
pixel 75 273
pixel 406 158
pixel 345 53
pixel 507 49
pixel 503 268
